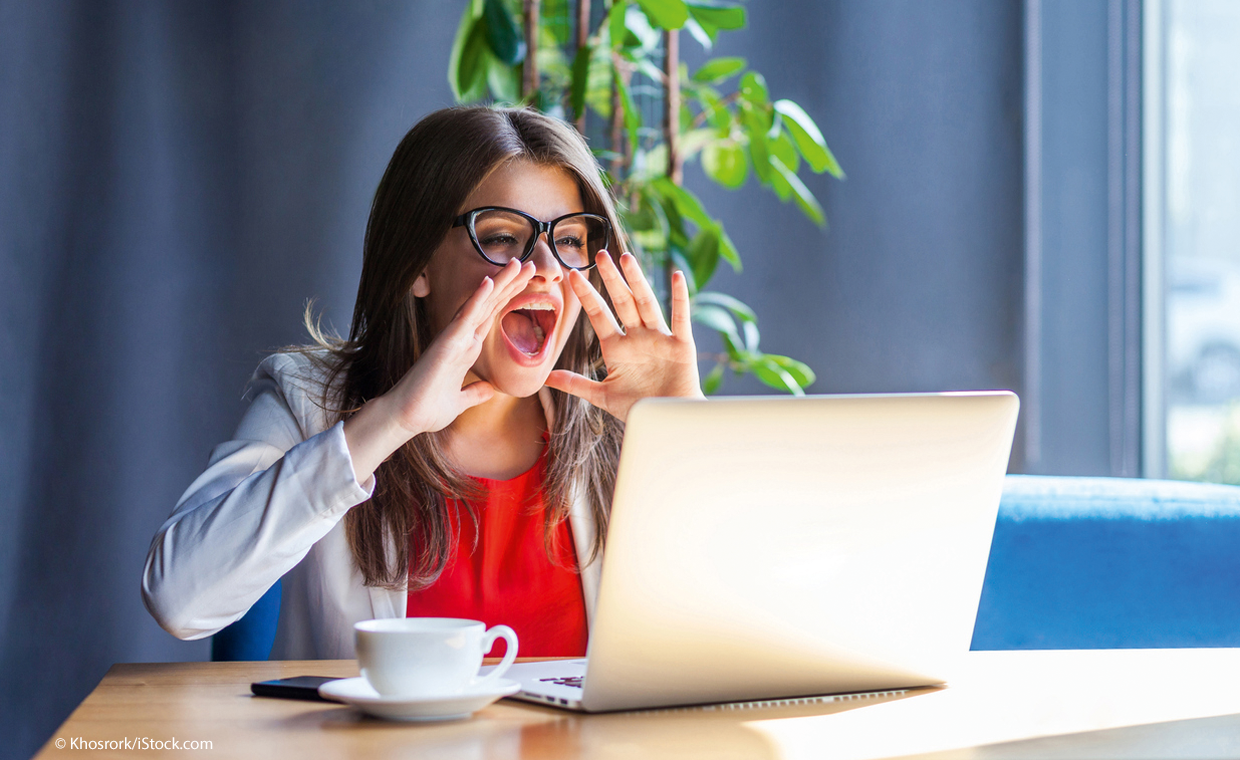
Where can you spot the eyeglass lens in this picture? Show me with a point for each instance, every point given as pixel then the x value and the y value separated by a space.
pixel 504 236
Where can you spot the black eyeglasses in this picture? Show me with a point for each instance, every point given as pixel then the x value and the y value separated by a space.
pixel 503 234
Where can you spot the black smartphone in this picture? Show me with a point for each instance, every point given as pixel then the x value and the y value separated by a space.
pixel 299 687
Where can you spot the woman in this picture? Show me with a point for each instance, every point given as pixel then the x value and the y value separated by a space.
pixel 456 455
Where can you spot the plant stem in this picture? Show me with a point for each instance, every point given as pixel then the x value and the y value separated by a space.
pixel 583 39
pixel 671 136
pixel 619 145
pixel 529 79
pixel 671 110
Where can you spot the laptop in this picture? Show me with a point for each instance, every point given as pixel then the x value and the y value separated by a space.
pixel 777 548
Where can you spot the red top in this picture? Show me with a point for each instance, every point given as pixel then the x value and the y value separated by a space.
pixel 508 578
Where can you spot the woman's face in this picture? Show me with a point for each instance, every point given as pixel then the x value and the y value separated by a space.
pixel 530 332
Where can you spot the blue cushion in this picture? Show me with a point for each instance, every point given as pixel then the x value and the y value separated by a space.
pixel 251 637
pixel 1090 563
pixel 1076 563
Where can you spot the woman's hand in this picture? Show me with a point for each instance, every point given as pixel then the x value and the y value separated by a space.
pixel 646 358
pixel 430 395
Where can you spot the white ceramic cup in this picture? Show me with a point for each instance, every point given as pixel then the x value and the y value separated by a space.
pixel 429 657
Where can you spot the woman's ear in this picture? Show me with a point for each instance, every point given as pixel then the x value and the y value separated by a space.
pixel 421 286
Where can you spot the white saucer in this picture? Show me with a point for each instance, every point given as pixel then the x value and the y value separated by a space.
pixel 359 693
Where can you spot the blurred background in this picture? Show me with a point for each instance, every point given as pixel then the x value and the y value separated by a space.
pixel 1041 195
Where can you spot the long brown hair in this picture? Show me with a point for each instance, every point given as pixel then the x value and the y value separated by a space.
pixel 435 168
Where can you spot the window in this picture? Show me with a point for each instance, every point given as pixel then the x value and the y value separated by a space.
pixel 1192 239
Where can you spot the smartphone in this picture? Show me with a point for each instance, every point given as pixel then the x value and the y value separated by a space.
pixel 299 687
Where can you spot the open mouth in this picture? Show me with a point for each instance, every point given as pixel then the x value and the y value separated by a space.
pixel 528 327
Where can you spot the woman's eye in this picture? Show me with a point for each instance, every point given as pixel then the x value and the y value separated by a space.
pixel 569 241
pixel 499 239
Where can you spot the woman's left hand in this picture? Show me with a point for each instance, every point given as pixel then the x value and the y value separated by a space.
pixel 646 358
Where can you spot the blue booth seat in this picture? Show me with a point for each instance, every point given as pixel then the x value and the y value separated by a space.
pixel 1093 563
pixel 251 637
pixel 1076 563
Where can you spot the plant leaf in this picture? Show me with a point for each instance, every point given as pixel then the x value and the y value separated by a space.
pixel 728 250
pixel 473 68
pixel 641 38
pixel 752 336
pixel 716 112
pixel 730 344
pixel 755 129
pixel 800 372
pixel 808 138
pixel 504 81
pixel 676 237
pixel 805 199
pixel 753 88
pixel 632 118
pixel 598 79
pixel 581 80
pixel 665 14
pixel 695 140
pixel 724 162
pixel 779 184
pixel 705 39
pixel 782 148
pixel 703 254
pixel 554 18
pixel 770 373
pixel 472 11
pixel 615 23
pixel 503 34
pixel 679 262
pixel 686 202
pixel 734 305
pixel 718 15
pixel 717 70
pixel 717 319
pixel 713 379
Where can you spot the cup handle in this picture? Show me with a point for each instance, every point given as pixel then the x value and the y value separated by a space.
pixel 488 641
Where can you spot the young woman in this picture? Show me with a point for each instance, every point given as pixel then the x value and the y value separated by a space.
pixel 456 455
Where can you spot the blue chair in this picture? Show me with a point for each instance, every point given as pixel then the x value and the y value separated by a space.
pixel 251 637
pixel 1094 563
pixel 1076 563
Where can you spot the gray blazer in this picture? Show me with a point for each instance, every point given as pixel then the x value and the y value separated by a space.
pixel 269 507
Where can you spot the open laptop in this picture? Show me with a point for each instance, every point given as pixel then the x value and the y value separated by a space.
pixel 777 548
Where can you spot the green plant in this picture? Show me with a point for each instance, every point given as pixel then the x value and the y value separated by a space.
pixel 721 114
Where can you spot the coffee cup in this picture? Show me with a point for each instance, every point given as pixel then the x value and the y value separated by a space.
pixel 429 657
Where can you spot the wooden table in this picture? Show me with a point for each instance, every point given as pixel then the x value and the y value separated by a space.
pixel 1078 704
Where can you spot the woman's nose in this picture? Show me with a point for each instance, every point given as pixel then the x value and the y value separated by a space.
pixel 546 265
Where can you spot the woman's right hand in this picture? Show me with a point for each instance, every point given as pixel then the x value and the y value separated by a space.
pixel 430 395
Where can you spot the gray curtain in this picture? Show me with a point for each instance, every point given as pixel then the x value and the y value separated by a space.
pixel 177 179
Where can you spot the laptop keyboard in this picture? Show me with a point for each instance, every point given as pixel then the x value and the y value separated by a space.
pixel 573 681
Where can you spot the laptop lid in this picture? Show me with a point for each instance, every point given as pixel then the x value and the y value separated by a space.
pixel 770 547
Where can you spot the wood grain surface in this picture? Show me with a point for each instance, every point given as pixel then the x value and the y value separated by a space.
pixel 1119 703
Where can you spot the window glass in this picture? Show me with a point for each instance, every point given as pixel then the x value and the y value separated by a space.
pixel 1200 42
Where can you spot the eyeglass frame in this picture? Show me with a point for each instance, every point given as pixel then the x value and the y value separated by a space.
pixel 467 220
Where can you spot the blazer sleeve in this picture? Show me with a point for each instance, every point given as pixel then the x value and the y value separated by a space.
pixel 265 499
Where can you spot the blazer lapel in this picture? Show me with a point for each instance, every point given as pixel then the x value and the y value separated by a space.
pixel 581 520
pixel 386 603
